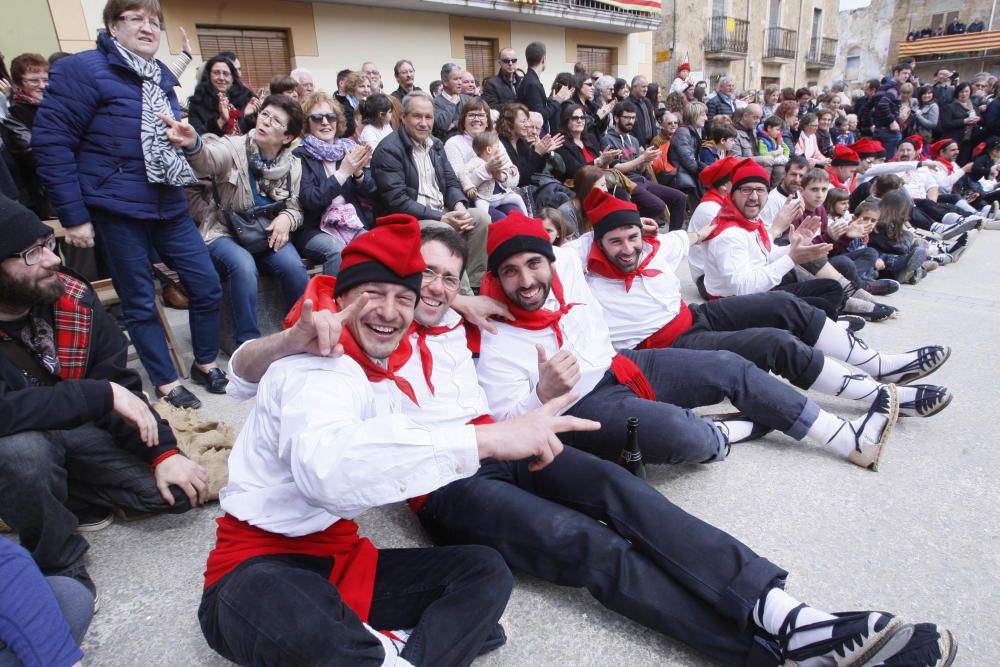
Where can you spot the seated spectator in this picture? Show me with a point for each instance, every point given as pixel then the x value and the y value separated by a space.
pixel 604 91
pixel 221 103
pixel 580 147
pixel 370 69
pixel 842 133
pixel 435 87
pixel 808 143
pixel 645 110
pixel 357 88
pixel 335 179
pixel 520 139
pixel 555 225
pixel 584 180
pixel 302 76
pixel 479 181
pixel 256 170
pixel 598 111
pixel 719 146
pixel 29 74
pixel 448 105
pixel 45 618
pixel 405 75
pixel 903 256
pixel 788 112
pixel 284 85
pixel 772 97
pixel 684 146
pixel 770 144
pixel 661 166
pixel 723 101
pixel 414 177
pixel 620 90
pixel 103 448
pixel 824 138
pixel 654 200
pixel 470 86
pixel 376 119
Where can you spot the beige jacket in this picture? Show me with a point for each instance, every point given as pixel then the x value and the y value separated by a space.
pixel 225 158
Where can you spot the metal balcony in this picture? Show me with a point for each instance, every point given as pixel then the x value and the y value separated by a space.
pixel 780 45
pixel 822 53
pixel 726 38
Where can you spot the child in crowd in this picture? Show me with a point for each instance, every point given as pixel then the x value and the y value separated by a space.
pixel 769 140
pixel 491 192
pixel 720 145
pixel 376 119
pixel 808 143
pixel 842 134
pixel 903 256
pixel 555 225
pixel 837 204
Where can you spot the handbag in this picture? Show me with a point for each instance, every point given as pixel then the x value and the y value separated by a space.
pixel 248 226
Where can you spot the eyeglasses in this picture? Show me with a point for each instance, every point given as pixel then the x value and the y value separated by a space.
pixel 481 115
pixel 509 61
pixel 671 122
pixel 320 117
pixel 751 191
pixel 271 119
pixel 588 83
pixel 451 283
pixel 33 255
pixel 575 117
pixel 136 21
pixel 35 79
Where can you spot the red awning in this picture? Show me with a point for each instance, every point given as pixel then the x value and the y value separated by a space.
pixel 973 41
pixel 651 6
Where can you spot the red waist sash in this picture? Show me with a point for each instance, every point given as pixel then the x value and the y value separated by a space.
pixel 666 336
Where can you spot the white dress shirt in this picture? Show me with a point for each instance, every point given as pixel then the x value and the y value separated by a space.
pixel 701 218
pixel 736 262
pixel 508 360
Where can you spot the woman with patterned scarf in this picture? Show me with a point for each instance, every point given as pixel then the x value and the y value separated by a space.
pixel 336 182
pixel 103 156
pixel 255 169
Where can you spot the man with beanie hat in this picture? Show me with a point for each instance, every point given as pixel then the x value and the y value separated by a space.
pixel 328 440
pixel 842 167
pixel 715 177
pixel 77 436
pixel 634 281
pixel 559 341
pixel 538 523
pixel 929 212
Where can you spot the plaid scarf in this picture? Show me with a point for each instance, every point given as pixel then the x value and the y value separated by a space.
pixel 63 351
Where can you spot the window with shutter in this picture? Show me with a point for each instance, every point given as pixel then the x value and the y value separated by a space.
pixel 479 56
pixel 262 53
pixel 595 58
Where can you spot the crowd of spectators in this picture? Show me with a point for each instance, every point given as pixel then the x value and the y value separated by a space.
pixel 867 192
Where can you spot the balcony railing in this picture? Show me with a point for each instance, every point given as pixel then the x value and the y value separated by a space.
pixel 822 53
pixel 726 38
pixel 780 44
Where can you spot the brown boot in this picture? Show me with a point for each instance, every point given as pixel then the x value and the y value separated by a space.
pixel 175 298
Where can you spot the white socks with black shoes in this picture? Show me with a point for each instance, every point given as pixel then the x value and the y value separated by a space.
pixel 843 345
pixel 771 611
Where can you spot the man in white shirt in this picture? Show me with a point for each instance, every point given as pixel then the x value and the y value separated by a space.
pixel 715 177
pixel 326 441
pixel 634 280
pixel 581 521
pixel 558 341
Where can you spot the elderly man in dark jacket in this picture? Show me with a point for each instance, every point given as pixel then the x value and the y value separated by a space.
pixel 414 177
pixel 645 117
pixel 77 437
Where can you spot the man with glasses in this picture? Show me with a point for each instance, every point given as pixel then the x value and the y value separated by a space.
pixel 405 74
pixel 502 89
pixel 77 437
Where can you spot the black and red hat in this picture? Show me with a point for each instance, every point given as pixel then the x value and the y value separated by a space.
pixel 845 156
pixel 719 172
pixel 748 171
pixel 607 212
pixel 389 253
pixel 515 234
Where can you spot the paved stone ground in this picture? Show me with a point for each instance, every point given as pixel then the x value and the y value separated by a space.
pixel 920 537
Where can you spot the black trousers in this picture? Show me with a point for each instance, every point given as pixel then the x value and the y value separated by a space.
pixel 823 293
pixel 282 609
pixel 589 523
pixel 774 330
pixel 44 473
pixel 669 432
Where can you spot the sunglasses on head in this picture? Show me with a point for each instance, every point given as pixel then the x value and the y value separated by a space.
pixel 319 117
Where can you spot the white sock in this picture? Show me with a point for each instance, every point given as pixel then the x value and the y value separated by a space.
pixel 777 605
pixel 832 431
pixel 841 344
pixel 947 220
pixel 736 430
pixel 855 304
pixel 836 379
pixel 942 227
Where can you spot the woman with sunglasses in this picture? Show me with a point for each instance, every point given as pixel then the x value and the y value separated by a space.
pixel 581 148
pixel 101 146
pixel 335 176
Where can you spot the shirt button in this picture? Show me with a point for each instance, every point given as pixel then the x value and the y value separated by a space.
pixel 460 470
pixel 402 488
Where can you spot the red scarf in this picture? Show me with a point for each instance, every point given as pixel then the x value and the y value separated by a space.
pixel 714 195
pixel 598 262
pixel 534 320
pixel 949 166
pixel 354 558
pixel 835 180
pixel 426 358
pixel 730 216
pixel 320 289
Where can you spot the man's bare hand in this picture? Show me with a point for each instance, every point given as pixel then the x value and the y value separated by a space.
pixel 557 375
pixel 802 249
pixel 479 310
pixel 531 435
pixel 179 470
pixel 318 332
pixel 459 220
pixel 790 211
pixel 80 236
pixel 135 412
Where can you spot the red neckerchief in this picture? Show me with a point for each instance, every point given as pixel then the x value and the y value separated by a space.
pixel 534 320
pixel 426 358
pixel 598 262
pixel 320 290
pixel 714 195
pixel 950 166
pixel 835 180
pixel 354 558
pixel 730 216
